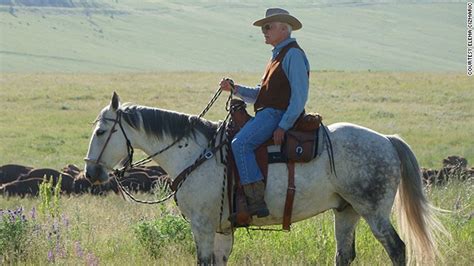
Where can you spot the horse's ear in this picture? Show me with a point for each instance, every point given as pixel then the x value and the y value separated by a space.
pixel 115 103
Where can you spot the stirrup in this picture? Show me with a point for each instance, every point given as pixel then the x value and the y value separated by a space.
pixel 234 220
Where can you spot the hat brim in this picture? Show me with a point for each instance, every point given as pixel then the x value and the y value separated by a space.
pixel 292 21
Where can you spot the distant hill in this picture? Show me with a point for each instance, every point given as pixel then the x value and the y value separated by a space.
pixel 154 35
pixel 53 3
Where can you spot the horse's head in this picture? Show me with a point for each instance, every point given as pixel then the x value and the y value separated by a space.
pixel 108 146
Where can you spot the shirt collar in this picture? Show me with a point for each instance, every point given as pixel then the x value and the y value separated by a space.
pixel 276 50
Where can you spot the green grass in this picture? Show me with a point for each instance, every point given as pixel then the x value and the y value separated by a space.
pixel 138 36
pixel 45 118
pixel 104 229
pixel 45 122
pixel 312 241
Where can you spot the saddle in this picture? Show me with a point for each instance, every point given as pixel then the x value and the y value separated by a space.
pixel 300 145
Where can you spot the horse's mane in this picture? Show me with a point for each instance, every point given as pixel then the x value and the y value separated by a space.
pixel 159 122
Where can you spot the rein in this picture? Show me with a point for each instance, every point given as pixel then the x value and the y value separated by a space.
pixel 203 112
pixel 208 154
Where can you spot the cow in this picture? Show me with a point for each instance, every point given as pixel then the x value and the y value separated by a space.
pixel 10 172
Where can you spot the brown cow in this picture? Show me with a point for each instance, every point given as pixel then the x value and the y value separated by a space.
pixel 104 188
pixel 72 169
pixel 81 186
pixel 22 188
pixel 152 170
pixel 142 180
pixel 10 172
pixel 66 180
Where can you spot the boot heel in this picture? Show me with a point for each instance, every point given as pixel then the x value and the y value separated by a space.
pixel 262 213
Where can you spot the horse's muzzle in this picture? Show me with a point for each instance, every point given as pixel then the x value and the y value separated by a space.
pixel 96 174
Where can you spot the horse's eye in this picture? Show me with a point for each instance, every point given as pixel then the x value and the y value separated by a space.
pixel 99 132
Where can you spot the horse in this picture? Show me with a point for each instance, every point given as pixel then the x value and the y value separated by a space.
pixel 372 172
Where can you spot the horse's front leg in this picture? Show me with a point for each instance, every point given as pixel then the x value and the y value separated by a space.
pixel 204 232
pixel 223 247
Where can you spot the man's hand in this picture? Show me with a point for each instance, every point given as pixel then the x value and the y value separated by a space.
pixel 226 84
pixel 278 136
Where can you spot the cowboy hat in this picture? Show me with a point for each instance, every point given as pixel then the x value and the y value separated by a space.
pixel 279 15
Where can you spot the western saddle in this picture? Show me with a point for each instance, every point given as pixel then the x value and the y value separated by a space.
pixel 300 145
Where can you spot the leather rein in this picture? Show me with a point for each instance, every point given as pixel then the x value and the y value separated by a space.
pixel 176 183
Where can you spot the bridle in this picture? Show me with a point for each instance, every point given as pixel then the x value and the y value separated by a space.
pixel 129 161
pixel 117 120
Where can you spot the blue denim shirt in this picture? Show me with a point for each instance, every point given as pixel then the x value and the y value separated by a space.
pixel 296 67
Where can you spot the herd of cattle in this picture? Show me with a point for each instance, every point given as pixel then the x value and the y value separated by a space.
pixel 20 180
pixel 454 168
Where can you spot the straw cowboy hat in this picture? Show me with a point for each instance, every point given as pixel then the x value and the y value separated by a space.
pixel 279 15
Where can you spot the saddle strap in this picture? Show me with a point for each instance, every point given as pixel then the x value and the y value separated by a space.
pixel 290 196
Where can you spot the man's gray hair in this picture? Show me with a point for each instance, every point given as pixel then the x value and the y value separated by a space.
pixel 288 27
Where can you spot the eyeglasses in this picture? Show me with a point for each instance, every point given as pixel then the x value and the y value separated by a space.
pixel 266 27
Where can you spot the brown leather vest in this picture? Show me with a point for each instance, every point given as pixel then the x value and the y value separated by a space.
pixel 275 91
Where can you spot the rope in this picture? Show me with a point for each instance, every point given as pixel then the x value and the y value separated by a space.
pixel 222 198
pixel 120 172
pixel 203 112
pixel 123 190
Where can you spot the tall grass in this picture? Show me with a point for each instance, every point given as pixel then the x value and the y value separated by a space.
pixel 94 229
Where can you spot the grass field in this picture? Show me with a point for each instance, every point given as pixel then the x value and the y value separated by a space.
pixel 45 118
pixel 45 122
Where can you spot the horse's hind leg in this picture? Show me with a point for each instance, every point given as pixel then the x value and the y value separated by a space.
pixel 384 232
pixel 345 224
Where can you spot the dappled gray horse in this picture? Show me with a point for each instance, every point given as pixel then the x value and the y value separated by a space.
pixel 370 169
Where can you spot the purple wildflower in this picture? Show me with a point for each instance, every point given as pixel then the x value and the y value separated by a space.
pixel 55 226
pixel 11 215
pixel 92 260
pixel 60 251
pixel 33 213
pixel 50 256
pixel 65 220
pixel 78 249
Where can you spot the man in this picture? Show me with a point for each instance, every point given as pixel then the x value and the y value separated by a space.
pixel 278 102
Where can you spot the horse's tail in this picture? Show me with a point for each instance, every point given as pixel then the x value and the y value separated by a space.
pixel 417 221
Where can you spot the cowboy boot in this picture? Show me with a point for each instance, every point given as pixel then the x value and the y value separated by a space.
pixel 254 192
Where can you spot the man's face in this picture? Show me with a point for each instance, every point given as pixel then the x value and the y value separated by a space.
pixel 274 33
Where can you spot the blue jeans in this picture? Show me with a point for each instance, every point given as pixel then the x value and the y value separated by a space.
pixel 257 130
